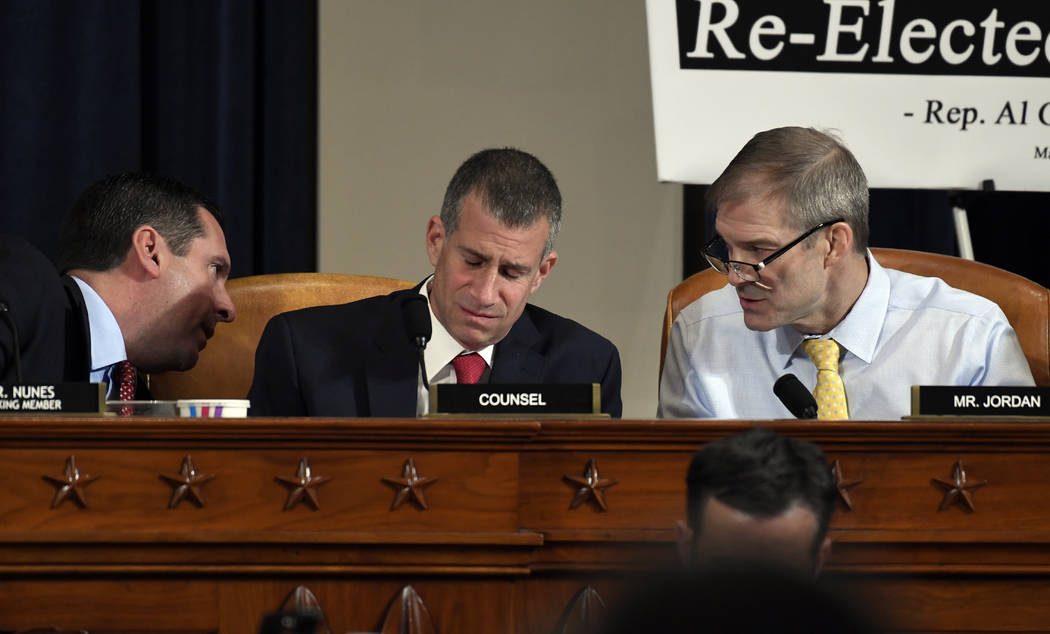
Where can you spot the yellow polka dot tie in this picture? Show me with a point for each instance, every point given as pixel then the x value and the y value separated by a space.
pixel 830 393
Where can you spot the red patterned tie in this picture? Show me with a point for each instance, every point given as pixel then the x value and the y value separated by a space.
pixel 126 372
pixel 469 367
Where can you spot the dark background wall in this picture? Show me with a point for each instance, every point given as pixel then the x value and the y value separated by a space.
pixel 220 94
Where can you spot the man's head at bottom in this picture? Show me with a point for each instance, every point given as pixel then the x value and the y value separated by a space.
pixel 758 496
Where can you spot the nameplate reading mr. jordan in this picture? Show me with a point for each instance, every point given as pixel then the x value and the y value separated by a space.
pixel 947 400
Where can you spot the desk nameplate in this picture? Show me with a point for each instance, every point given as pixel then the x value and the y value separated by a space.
pixel 515 399
pixel 23 399
pixel 983 401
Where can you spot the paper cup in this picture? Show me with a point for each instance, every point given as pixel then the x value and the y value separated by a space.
pixel 212 408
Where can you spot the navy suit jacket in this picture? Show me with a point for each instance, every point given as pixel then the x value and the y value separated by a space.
pixel 356 360
pixel 78 334
pixel 49 310
pixel 30 286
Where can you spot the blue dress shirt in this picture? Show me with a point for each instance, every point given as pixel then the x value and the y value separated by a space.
pixel 107 342
pixel 904 330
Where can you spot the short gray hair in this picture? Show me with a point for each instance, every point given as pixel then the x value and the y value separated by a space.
pixel 515 186
pixel 811 171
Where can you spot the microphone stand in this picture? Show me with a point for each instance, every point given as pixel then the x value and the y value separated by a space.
pixel 421 345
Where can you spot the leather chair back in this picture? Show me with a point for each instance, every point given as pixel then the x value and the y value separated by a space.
pixel 227 364
pixel 1026 304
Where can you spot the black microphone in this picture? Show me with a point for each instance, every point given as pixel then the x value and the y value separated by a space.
pixel 416 311
pixel 16 353
pixel 795 396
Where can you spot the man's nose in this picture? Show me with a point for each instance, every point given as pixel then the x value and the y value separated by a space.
pixel 224 308
pixel 738 281
pixel 485 287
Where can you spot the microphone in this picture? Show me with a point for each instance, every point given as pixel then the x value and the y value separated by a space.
pixel 795 396
pixel 416 311
pixel 16 353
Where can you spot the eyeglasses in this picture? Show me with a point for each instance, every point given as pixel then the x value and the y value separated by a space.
pixel 745 270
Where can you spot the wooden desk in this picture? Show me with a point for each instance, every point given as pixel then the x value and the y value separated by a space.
pixel 498 547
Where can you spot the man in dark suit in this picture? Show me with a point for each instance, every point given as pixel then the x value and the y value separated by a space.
pixel 146 265
pixel 491 248
pixel 33 307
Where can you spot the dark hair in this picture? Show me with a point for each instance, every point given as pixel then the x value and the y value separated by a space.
pixel 96 233
pixel 761 473
pixel 514 185
pixel 810 171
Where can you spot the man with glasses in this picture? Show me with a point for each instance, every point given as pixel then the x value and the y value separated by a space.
pixel 792 236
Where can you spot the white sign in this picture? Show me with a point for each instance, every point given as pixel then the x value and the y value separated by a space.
pixel 932 94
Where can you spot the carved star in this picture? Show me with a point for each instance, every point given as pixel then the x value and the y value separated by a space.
pixel 410 485
pixel 71 484
pixel 959 489
pixel 302 488
pixel 187 484
pixel 842 485
pixel 590 486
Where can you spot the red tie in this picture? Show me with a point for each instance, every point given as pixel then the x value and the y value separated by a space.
pixel 469 367
pixel 126 372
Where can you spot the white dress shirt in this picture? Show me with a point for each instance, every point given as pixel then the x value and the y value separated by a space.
pixel 438 356
pixel 904 330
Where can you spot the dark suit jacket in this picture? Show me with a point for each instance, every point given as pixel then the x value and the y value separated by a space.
pixel 356 360
pixel 49 311
pixel 78 334
pixel 29 285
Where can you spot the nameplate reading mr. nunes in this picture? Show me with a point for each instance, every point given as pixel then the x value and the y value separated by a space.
pixel 515 398
pixel 54 398
pixel 950 400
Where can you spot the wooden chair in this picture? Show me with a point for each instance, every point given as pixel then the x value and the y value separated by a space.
pixel 227 364
pixel 1026 304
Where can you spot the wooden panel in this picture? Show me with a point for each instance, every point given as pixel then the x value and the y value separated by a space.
pixel 107 604
pixel 545 602
pixel 648 494
pixel 964 603
pixel 473 489
pixel 358 604
pixel 897 492
pixel 500 547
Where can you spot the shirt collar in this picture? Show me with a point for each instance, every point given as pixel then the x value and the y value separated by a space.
pixel 858 332
pixel 442 347
pixel 107 342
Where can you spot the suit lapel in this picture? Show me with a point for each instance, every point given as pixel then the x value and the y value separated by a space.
pixel 514 359
pixel 78 334
pixel 392 369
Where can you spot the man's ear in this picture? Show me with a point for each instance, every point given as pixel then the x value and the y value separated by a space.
pixel 146 247
pixel 822 556
pixel 840 239
pixel 684 536
pixel 435 238
pixel 544 270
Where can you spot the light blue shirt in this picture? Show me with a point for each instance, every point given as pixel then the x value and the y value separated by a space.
pixel 107 342
pixel 904 330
